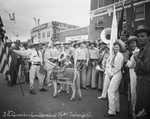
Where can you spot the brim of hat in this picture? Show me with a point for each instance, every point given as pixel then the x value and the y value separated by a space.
pixel 129 41
pixel 75 45
pixel 9 42
pixel 57 44
pixel 32 44
pixel 93 43
pixel 141 30
pixel 122 44
pixel 66 43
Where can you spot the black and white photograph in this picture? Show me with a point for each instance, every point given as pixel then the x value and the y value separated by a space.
pixel 74 59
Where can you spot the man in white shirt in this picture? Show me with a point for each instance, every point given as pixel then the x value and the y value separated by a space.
pixel 94 55
pixel 36 61
pixel 81 61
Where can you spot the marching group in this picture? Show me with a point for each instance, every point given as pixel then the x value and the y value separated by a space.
pixel 96 68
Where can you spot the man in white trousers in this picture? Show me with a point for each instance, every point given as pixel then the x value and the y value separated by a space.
pixel 36 61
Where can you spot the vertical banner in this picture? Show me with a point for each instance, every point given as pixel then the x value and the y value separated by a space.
pixel 114 32
pixel 120 24
pixel 132 17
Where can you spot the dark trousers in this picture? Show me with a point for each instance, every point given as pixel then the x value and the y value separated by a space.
pixel 143 97
pixel 16 70
pixel 12 73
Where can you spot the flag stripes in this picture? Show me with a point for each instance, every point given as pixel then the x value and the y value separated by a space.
pixel 5 58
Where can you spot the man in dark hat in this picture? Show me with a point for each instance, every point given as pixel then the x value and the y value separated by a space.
pixel 142 70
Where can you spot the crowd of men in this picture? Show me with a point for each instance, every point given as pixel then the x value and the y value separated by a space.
pixel 92 57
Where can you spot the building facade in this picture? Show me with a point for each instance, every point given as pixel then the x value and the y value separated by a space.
pixel 49 31
pixel 101 14
pixel 74 34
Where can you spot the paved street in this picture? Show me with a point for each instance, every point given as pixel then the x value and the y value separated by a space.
pixel 15 106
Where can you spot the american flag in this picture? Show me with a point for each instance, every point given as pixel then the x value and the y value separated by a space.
pixel 5 57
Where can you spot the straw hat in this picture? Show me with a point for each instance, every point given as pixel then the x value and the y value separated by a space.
pixel 92 42
pixel 131 38
pixel 122 44
pixel 66 42
pixel 57 43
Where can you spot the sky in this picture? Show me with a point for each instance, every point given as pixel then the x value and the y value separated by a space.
pixel 74 12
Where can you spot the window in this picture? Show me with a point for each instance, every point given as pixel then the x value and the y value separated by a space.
pixel 100 3
pixel 48 33
pixel 43 35
pixel 118 0
pixel 39 35
pixel 100 21
pixel 139 12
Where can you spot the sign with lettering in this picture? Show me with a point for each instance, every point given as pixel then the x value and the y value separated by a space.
pixel 77 38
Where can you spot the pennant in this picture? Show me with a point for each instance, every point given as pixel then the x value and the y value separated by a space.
pixel 38 22
pixel 11 16
pixel 16 34
pixel 120 24
pixel 35 21
pixel 1 23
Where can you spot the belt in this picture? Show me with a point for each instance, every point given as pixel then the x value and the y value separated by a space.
pixel 93 59
pixel 80 60
pixel 37 64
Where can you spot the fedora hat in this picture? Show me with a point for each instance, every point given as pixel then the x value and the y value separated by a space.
pixel 131 38
pixel 141 28
pixel 122 45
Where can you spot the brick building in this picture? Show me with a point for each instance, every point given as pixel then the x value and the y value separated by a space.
pixel 101 15
pixel 74 34
pixel 49 31
pixel 57 31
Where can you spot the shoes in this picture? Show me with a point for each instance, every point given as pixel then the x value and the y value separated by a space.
pixel 84 87
pixel 43 89
pixel 101 98
pixel 79 98
pixel 72 99
pixel 50 85
pixel 54 95
pixel 109 115
pixel 32 92
pixel 67 91
pixel 59 91
pixel 117 112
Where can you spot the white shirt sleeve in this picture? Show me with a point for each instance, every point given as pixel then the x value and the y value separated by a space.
pixel 118 63
pixel 23 53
